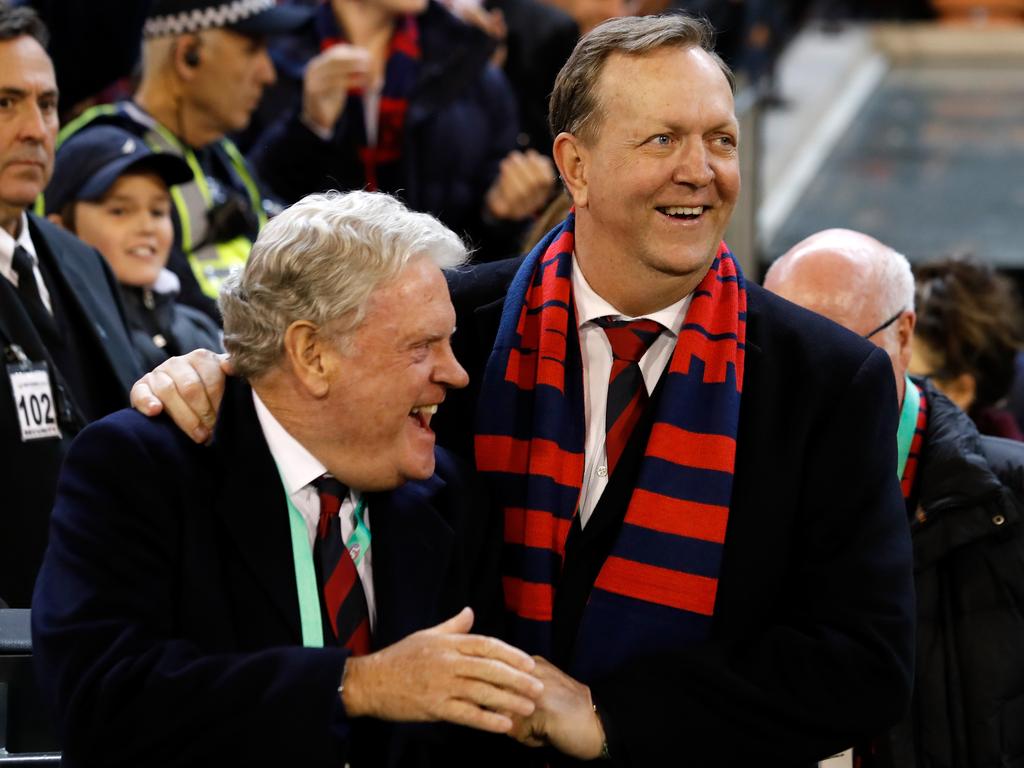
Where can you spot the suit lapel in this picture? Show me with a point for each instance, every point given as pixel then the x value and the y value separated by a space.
pixel 103 320
pixel 412 552
pixel 252 504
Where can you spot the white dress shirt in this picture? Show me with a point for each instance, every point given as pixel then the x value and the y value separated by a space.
pixel 596 352
pixel 299 468
pixel 7 244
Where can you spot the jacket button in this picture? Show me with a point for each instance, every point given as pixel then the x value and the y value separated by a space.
pixel 998 519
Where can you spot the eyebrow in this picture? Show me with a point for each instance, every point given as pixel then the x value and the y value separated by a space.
pixel 10 90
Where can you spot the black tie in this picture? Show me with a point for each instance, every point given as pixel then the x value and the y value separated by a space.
pixel 28 289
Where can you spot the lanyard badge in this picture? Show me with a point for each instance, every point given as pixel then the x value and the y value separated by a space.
pixel 33 396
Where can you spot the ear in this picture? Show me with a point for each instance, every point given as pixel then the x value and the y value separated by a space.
pixel 311 357
pixel 185 56
pixel 905 335
pixel 572 159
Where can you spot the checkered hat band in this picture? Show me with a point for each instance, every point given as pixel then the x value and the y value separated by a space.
pixel 211 17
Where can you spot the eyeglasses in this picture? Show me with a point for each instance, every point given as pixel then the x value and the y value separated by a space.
pixel 884 325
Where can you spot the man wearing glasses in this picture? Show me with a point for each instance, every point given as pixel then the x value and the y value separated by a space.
pixel 963 495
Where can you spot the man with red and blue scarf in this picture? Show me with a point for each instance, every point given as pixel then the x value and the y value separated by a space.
pixel 731 583
pixel 703 539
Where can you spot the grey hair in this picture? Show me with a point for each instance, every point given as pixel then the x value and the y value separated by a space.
pixel 320 261
pixel 574 108
pixel 896 281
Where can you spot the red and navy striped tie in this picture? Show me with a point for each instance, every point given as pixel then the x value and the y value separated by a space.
pixel 341 592
pixel 627 394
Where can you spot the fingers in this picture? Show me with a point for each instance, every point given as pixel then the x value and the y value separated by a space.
pixel 327 80
pixel 465 713
pixel 490 697
pixel 492 648
pixel 460 623
pixel 524 183
pixel 188 389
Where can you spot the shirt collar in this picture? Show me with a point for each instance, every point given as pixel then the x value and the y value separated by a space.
pixel 297 465
pixel 7 244
pixel 590 305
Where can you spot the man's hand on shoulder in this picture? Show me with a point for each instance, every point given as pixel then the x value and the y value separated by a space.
pixel 442 673
pixel 188 388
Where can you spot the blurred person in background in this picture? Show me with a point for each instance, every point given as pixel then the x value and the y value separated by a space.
pixel 204 69
pixel 965 507
pixel 113 193
pixel 969 331
pixel 401 96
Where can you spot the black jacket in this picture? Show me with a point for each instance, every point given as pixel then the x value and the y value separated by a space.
pixel 103 366
pixel 461 121
pixel 812 636
pixel 161 327
pixel 968 534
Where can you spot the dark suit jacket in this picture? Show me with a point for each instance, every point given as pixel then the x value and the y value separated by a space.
pixel 28 471
pixel 813 628
pixel 166 623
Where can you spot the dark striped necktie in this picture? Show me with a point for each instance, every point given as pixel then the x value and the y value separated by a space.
pixel 627 394
pixel 341 592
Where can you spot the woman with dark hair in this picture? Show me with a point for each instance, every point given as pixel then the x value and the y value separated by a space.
pixel 969 329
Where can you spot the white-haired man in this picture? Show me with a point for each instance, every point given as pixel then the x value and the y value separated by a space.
pixel 965 512
pixel 182 583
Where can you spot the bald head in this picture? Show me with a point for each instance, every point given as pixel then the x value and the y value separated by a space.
pixel 858 282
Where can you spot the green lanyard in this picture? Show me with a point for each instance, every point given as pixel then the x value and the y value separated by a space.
pixel 307 586
pixel 908 424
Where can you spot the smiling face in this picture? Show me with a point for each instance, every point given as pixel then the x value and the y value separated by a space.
pixel 28 125
pixel 656 186
pixel 131 226
pixel 392 372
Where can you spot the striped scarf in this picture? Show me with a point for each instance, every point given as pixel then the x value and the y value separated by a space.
pixel 657 588
pixel 381 169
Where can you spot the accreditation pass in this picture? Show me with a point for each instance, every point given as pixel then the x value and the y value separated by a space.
pixel 33 400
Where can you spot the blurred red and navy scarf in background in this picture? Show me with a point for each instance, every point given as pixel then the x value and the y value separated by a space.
pixel 381 168
pixel 657 588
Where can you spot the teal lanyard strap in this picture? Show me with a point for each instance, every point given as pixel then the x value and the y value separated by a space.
pixel 908 425
pixel 358 543
pixel 307 586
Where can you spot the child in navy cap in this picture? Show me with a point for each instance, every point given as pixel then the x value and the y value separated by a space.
pixel 112 191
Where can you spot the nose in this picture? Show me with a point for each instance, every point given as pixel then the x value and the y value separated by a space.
pixel 267 73
pixel 693 167
pixel 33 125
pixel 449 371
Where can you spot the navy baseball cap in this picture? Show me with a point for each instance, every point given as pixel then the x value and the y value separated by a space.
pixel 90 161
pixel 250 17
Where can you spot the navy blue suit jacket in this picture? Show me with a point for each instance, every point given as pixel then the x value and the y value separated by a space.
pixel 165 620
pixel 28 471
pixel 812 636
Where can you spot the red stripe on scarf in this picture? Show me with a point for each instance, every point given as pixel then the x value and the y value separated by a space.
pixel 718 356
pixel 692 449
pixel 535 528
pixel 910 469
pixel 658 512
pixel 685 591
pixel 497 453
pixel 528 599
